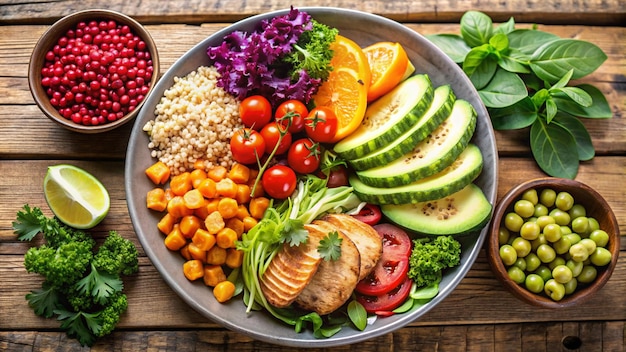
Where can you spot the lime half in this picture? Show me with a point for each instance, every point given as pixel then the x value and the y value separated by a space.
pixel 75 196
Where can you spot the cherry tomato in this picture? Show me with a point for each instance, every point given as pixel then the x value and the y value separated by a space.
pixel 255 112
pixel 369 214
pixel 279 181
pixel 292 113
pixel 304 156
pixel 321 124
pixel 272 135
pixel 247 146
pixel 384 304
pixel 393 265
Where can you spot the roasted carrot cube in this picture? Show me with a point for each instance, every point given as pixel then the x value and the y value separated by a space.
pixel 193 269
pixel 158 173
pixel 239 173
pixel 213 275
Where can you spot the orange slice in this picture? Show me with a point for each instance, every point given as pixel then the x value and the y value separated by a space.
pixel 345 91
pixel 347 53
pixel 388 64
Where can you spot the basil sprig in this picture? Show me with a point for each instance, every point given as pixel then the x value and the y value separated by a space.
pixel 523 78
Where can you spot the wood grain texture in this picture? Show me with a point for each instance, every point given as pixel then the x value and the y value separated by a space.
pixel 608 12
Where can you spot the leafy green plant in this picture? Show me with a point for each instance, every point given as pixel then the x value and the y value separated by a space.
pixel 523 78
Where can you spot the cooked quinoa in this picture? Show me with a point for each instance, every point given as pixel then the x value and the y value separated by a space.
pixel 195 120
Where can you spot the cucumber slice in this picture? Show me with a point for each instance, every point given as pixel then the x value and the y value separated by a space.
pixel 431 155
pixel 459 213
pixel 453 178
pixel 388 117
pixel 438 111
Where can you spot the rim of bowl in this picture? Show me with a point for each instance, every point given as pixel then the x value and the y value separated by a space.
pixel 499 268
pixel 52 34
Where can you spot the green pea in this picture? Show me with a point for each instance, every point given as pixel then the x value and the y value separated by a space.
pixel 564 201
pixel 562 246
pixel 577 210
pixel 534 283
pixel 580 225
pixel 503 235
pixel 560 217
pixel 575 267
pixel 516 274
pixel 600 237
pixel 532 262
pixel 544 272
pixel 546 253
pixel 530 231
pixel 554 289
pixel 573 238
pixel 522 247
pixel 562 274
pixel 513 222
pixel 540 210
pixel 524 208
pixel 547 197
pixel 552 232
pixel 520 263
pixel 508 254
pixel 570 286
pixel 588 274
pixel 531 196
pixel 578 252
pixel 566 230
pixel 600 257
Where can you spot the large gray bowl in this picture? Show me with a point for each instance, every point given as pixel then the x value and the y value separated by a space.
pixel 365 29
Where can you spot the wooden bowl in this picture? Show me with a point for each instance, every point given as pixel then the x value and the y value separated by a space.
pixel 50 38
pixel 595 206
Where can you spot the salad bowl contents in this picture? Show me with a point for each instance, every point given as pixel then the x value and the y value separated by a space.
pixel 257 177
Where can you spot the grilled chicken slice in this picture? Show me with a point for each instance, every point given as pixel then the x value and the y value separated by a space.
pixel 366 239
pixel 291 269
pixel 334 280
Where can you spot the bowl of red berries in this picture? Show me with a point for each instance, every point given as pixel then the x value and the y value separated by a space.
pixel 92 70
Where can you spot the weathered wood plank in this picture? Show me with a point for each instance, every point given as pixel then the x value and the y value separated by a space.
pixel 609 12
pixel 443 339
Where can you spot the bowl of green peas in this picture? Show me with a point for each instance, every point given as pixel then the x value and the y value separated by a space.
pixel 553 242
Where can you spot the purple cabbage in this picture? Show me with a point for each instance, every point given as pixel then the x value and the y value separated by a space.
pixel 250 63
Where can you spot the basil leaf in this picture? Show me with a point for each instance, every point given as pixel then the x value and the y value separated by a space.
pixel 599 107
pixel 564 80
pixel 503 90
pixel 519 115
pixel 484 73
pixel 577 95
pixel 540 97
pixel 506 27
pixel 554 149
pixel 452 45
pixel 357 314
pixel 499 42
pixel 474 58
pixel 552 60
pixel 514 63
pixel 550 109
pixel 528 40
pixel 584 146
pixel 476 28
pixel 405 307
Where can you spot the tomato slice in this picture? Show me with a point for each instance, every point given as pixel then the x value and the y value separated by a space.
pixel 393 265
pixel 385 303
pixel 369 214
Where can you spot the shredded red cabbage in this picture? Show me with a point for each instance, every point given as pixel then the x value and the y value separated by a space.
pixel 250 63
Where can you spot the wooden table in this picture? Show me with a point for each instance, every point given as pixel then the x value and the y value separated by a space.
pixel 478 316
